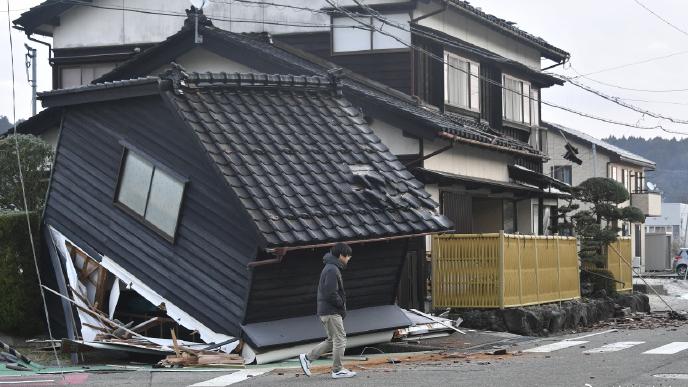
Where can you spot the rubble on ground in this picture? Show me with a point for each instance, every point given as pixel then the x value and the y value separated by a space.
pixel 639 321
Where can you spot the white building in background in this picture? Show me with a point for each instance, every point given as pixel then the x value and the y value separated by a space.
pixel 674 220
pixel 601 159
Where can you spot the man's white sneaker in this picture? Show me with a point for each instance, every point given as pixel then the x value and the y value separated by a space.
pixel 305 364
pixel 343 373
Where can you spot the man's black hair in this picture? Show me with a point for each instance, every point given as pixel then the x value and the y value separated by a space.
pixel 341 249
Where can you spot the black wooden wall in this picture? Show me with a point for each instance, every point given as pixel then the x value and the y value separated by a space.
pixel 390 68
pixel 289 289
pixel 204 272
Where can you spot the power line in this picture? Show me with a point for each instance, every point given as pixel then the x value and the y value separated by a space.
pixel 661 18
pixel 620 102
pixel 570 110
pixel 652 101
pixel 634 63
pixel 632 89
pixel 213 17
pixel 379 30
pixel 23 189
pixel 623 87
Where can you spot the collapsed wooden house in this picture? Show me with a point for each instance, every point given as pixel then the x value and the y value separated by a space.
pixel 215 196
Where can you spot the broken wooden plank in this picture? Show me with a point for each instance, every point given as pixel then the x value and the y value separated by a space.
pixel 174 343
pixel 150 323
pixel 220 359
pixel 100 288
pixel 435 319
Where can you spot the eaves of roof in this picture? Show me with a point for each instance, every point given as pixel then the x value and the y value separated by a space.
pixel 548 50
pixel 449 41
pixel 354 85
pixel 42 14
pixel 101 92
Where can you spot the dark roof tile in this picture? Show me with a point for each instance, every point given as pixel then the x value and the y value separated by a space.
pixel 295 180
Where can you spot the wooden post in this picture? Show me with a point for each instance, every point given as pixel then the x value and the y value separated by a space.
pixel 537 268
pixel 520 273
pixel 501 269
pixel 558 267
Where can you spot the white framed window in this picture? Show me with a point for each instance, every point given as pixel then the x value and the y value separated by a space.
pixel 520 101
pixel 149 193
pixel 361 33
pixel 461 82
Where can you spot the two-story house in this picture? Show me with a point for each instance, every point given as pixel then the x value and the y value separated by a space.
pixel 601 159
pixel 452 91
pixel 479 70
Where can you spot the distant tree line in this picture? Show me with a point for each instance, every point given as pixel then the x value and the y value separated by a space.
pixel 671 156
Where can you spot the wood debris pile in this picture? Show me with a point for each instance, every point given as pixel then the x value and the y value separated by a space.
pixel 187 357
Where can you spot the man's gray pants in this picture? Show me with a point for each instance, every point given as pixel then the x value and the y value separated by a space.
pixel 335 343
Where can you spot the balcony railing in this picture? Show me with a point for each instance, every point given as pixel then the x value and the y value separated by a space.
pixel 648 202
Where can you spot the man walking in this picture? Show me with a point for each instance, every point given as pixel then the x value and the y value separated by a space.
pixel 331 310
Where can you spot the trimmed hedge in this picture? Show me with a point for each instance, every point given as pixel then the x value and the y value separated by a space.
pixel 21 307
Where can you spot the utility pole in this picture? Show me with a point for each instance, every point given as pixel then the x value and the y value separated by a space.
pixel 594 160
pixel 31 64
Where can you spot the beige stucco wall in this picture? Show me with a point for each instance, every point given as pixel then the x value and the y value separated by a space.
pixel 468 160
pixel 457 24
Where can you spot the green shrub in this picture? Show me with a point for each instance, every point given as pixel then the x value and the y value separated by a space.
pixel 21 307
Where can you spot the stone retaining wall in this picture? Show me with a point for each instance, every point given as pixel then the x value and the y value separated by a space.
pixel 543 320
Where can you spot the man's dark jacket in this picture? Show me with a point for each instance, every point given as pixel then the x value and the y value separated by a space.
pixel 331 295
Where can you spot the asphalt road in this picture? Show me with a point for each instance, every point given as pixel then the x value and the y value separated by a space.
pixel 564 367
pixel 617 359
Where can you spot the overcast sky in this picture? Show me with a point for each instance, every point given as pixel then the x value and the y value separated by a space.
pixel 598 34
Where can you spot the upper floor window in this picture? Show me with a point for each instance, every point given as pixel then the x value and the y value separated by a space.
pixel 361 33
pixel 563 173
pixel 461 82
pixel 520 102
pixel 149 193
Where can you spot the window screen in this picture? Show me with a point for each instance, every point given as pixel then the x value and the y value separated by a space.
pixel 461 85
pixel 151 193
pixel 362 33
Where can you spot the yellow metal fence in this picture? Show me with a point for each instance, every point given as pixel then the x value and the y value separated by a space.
pixel 619 263
pixel 502 270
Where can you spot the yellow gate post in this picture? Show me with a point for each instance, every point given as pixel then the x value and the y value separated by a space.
pixel 558 268
pixel 537 270
pixel 520 273
pixel 501 269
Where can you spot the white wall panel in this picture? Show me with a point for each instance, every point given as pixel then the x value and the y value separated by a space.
pixel 394 139
pixel 468 161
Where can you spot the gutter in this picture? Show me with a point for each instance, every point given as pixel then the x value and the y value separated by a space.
pixel 28 36
pixel 453 137
pixel 280 252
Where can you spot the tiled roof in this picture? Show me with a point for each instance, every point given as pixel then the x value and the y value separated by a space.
pixel 41 14
pixel 555 53
pixel 630 156
pixel 360 89
pixel 302 159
